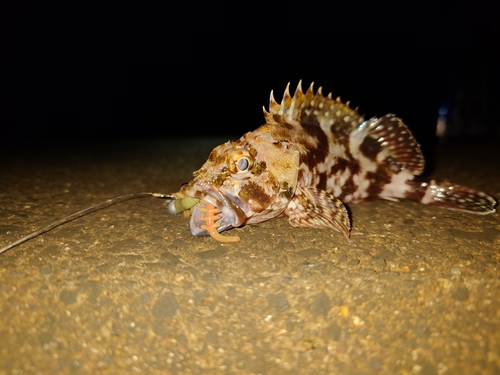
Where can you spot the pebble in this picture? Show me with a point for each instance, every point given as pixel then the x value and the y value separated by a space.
pixel 378 263
pixel 353 262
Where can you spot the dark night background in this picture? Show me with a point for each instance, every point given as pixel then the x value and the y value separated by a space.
pixel 73 72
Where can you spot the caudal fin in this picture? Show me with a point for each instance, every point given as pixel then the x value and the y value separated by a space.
pixel 452 196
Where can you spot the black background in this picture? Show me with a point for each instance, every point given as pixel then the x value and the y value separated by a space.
pixel 79 72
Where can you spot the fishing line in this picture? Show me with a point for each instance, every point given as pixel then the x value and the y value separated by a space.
pixel 84 212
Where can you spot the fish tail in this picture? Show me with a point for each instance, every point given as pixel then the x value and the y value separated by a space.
pixel 451 196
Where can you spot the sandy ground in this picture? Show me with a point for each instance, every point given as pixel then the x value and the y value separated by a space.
pixel 128 290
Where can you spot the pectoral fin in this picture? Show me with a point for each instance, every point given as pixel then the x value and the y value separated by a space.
pixel 314 208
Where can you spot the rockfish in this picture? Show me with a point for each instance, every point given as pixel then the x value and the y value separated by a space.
pixel 313 155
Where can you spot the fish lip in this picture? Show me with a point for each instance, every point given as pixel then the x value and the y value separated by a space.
pixel 231 214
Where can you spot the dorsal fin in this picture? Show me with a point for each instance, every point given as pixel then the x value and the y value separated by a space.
pixel 386 138
pixel 389 138
pixel 312 108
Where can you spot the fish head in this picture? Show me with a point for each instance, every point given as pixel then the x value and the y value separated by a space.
pixel 249 181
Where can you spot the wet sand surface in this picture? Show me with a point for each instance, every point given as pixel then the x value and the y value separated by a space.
pixel 128 290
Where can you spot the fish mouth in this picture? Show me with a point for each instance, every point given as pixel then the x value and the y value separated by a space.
pixel 231 215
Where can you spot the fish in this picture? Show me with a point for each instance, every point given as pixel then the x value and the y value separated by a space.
pixel 313 155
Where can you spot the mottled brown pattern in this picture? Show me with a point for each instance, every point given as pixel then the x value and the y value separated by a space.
pixel 349 187
pixel 288 190
pixel 416 191
pixel 322 181
pixel 355 167
pixel 279 120
pixel 395 135
pixel 346 119
pixel 257 194
pixel 370 148
pixel 317 153
pixel 394 164
pixel 342 164
pixel 282 132
pixel 378 180
pixel 251 150
pixel 219 179
pixel 316 208
pixel 300 175
pixel 258 168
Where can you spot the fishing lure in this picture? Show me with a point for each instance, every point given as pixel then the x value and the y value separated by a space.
pixel 211 218
pixel 183 203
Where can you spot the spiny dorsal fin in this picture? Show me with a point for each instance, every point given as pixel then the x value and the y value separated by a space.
pixel 386 138
pixel 389 139
pixel 313 108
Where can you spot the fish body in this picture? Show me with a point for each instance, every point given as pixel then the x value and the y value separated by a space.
pixel 313 155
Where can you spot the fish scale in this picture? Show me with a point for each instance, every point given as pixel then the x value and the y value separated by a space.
pixel 313 154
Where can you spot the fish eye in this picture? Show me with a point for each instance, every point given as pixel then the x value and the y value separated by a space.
pixel 240 162
pixel 243 164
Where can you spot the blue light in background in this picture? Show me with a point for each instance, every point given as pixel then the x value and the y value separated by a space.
pixel 443 110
